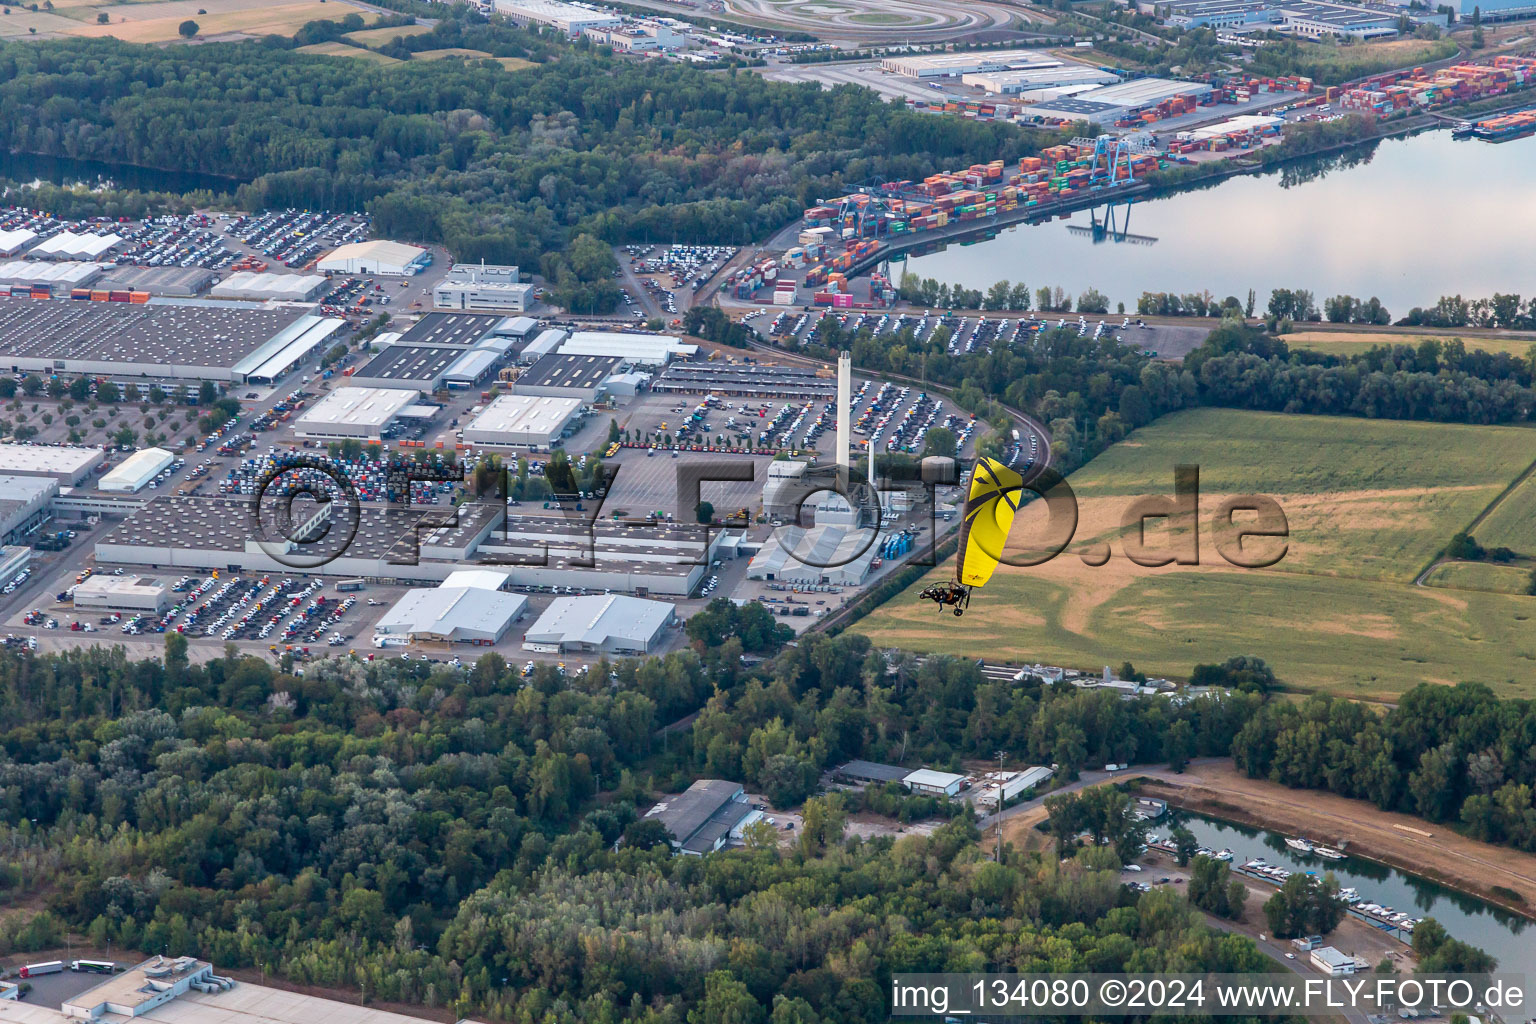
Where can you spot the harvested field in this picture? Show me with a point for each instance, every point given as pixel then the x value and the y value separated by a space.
pixel 1339 343
pixel 158 22
pixel 1369 504
pixel 340 49
pixel 380 36
pixel 452 51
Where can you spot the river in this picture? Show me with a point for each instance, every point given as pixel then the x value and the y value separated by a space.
pixel 1406 220
pixel 1507 936
pixel 27 167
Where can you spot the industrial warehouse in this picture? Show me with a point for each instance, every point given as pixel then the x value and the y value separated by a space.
pixel 416 367
pixel 634 349
pixel 70 465
pixel 358 412
pixel 566 376
pixel 24 503
pixel 157 341
pixel 571 19
pixel 467 607
pixel 387 259
pixel 953 65
pixel 1113 103
pixel 390 543
pixel 600 624
pixel 1309 18
pixel 524 421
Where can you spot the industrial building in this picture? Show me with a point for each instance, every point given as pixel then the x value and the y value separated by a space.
pixel 471 368
pixel 600 624
pixel 473 614
pixel 44 280
pixel 25 501
pixel 16 240
pixel 359 412
pixel 757 381
pixel 417 367
pixel 1310 18
pixel 835 554
pixel 865 773
pixel 157 341
pixel 541 346
pixel 517 326
pixel 472 286
pixel 1001 787
pixel 643 36
pixel 1025 82
pixel 634 349
pixel 568 18
pixel 137 595
pixel 173 282
pixel 523 421
pixel 705 816
pixel 68 464
pixel 463 329
pixel 388 542
pixel 934 783
pixel 1332 962
pixel 387 259
pixel 67 245
pixel 1114 102
pixel 566 376
pixel 266 287
pixel 132 474
pixel 953 65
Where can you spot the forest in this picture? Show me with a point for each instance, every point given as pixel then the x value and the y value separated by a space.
pixel 465 838
pixel 508 166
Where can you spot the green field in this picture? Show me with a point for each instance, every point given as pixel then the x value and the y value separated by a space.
pixel 1369 504
pixel 1495 579
pixel 1512 522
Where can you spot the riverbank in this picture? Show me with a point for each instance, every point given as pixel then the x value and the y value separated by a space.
pixel 1409 844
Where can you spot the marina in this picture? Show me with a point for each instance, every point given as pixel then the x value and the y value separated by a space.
pixel 1389 900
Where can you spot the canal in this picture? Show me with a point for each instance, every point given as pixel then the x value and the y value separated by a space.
pixel 1406 220
pixel 1507 936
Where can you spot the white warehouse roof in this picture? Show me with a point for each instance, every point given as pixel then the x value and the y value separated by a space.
pixel 455 614
pixel 379 251
pixel 932 779
pixel 136 470
pixel 85 246
pixel 373 408
pixel 260 286
pixel 482 579
pixel 15 241
pixel 611 622
pixel 543 345
pixel 522 419
pixel 653 349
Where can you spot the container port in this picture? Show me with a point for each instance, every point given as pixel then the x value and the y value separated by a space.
pixel 1501 128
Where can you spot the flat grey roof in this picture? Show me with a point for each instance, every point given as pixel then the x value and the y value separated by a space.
pixel 158 280
pixel 687 812
pixel 874 770
pixel 450 329
pixel 122 332
pixel 416 364
pixel 583 373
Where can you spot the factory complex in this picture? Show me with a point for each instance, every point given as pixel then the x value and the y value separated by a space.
pixel 157 342
pixel 363 413
pixel 955 65
pixel 388 543
pixel 572 19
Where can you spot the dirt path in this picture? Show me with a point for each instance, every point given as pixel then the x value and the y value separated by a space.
pixel 1411 844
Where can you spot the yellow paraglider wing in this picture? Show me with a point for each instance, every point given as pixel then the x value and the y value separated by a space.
pixel 989 509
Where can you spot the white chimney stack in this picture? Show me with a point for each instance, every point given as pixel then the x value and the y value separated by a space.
pixel 844 417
